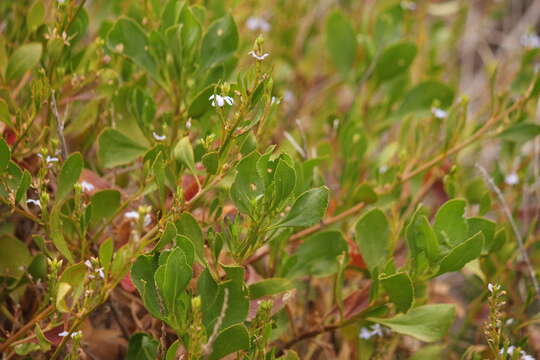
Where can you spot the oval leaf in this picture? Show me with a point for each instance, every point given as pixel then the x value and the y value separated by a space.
pixel 308 209
pixel 373 238
pixel 117 149
pixel 427 323
pixel 71 170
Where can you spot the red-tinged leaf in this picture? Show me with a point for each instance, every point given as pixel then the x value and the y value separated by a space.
pixel 356 302
pixel 10 136
pixel 190 186
pixel 53 335
pixel 356 258
pixel 127 284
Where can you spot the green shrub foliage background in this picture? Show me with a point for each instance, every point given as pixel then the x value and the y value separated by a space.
pixel 269 179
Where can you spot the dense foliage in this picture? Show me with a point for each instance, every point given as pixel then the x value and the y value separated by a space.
pixel 229 179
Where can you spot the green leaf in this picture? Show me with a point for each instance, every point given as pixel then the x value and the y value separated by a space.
pixel 191 30
pixel 142 275
pixel 317 256
pixel 24 184
pixel 187 226
pixel 394 60
pixel 143 108
pixel 269 287
pixel 373 238
pixel 105 254
pixel 172 350
pixel 213 296
pixel 13 256
pixel 425 94
pixel 128 38
pixel 248 186
pixel 5 155
pixel 22 60
pixel 184 153
pixel 220 42
pixel 365 193
pixel 105 203
pixel 71 282
pixel 521 132
pixel 173 277
pixel 69 174
pixel 400 288
pixel 57 234
pixel 427 323
pixel 460 255
pixel 169 234
pixel 142 347
pixel 450 222
pixel 201 103
pixel 35 15
pixel 308 209
pixel 341 41
pixel 422 238
pixel 38 267
pixel 429 352
pixel 284 181
pixel 230 340
pixel 211 162
pixel 487 227
pixel 117 149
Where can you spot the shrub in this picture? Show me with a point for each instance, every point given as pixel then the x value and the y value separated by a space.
pixel 188 179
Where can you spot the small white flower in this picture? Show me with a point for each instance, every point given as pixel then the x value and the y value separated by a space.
pixel 377 330
pixel 34 202
pixel 408 5
pixel 258 57
pixel 76 333
pixel 131 215
pixel 158 137
pixel 509 322
pixel 275 100
pixel 88 264
pixel 288 97
pixel 219 101
pixel 147 220
pixel 525 356
pixel 51 159
pixel 511 179
pixel 383 169
pixel 229 100
pixel 530 41
pixel 100 272
pixel 188 124
pixel 257 23
pixel 509 350
pixel 63 334
pixel 492 287
pixel 90 276
pixel 87 187
pixel 364 333
pixel 439 113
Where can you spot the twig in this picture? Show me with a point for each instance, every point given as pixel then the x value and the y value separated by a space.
pixel 59 127
pixel 116 316
pixel 407 176
pixel 26 327
pixel 508 213
pixel 307 335
pixel 207 349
